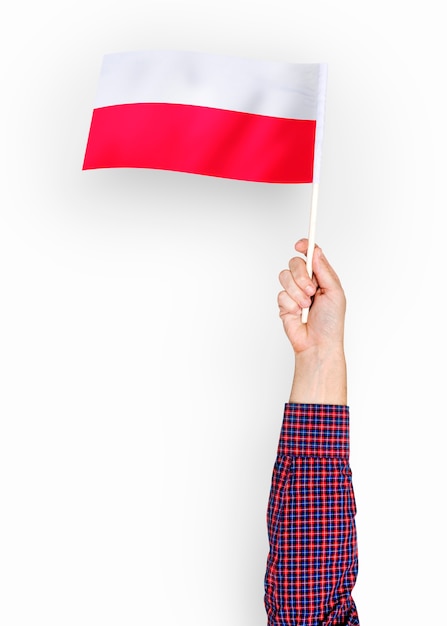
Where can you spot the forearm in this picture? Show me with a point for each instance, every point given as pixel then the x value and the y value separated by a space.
pixel 312 563
pixel 320 376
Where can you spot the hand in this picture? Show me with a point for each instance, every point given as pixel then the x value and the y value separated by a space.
pixel 325 325
pixel 320 367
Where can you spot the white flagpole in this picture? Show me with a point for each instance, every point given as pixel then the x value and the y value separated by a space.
pixel 311 239
pixel 316 174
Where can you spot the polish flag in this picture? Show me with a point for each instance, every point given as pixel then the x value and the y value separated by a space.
pixel 207 114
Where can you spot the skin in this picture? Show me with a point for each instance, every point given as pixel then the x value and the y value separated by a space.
pixel 320 364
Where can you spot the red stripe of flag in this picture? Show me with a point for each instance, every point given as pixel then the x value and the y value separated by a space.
pixel 202 140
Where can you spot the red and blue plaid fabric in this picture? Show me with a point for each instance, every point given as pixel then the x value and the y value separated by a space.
pixel 312 562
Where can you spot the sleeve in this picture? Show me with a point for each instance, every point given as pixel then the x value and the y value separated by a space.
pixel 312 562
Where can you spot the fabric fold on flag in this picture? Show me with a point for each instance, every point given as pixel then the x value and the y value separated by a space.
pixel 208 114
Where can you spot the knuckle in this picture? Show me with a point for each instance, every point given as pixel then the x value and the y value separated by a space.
pixel 280 298
pixel 293 263
pixel 283 276
pixel 297 266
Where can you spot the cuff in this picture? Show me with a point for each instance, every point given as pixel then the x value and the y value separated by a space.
pixel 315 430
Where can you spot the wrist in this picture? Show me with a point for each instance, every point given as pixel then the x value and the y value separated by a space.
pixel 320 376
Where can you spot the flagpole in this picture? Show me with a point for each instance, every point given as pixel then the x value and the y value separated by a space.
pixel 311 241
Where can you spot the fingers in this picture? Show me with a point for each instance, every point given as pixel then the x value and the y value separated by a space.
pixel 324 273
pixel 297 285
pixel 301 246
pixel 287 305
pixel 290 313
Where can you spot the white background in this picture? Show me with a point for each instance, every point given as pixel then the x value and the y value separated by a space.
pixel 143 365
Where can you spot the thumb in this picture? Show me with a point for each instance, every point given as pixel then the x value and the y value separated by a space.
pixel 324 273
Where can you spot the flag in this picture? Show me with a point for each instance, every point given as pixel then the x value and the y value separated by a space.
pixel 207 114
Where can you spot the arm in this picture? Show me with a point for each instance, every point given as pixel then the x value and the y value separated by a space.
pixel 312 563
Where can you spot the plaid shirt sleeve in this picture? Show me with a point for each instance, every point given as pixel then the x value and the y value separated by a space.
pixel 312 561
